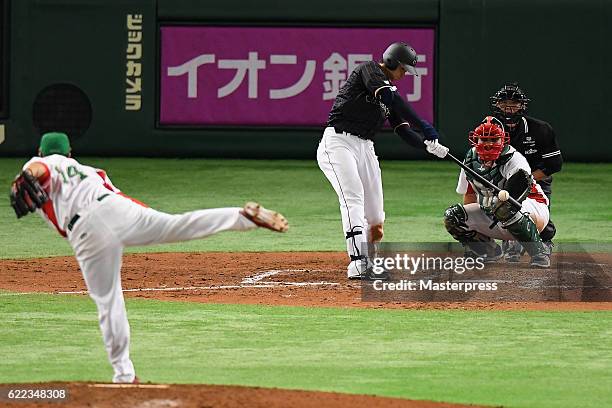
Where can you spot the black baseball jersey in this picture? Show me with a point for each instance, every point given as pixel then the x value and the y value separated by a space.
pixel 535 139
pixel 356 110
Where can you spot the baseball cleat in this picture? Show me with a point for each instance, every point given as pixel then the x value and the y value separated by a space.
pixel 514 258
pixel 549 246
pixel 513 251
pixel 468 253
pixel 370 275
pixel 265 218
pixel 540 261
pixel 354 273
pixel 493 254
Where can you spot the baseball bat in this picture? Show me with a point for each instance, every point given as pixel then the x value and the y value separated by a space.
pixel 483 180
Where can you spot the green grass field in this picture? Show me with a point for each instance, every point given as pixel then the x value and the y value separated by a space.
pixel 518 359
pixel 416 194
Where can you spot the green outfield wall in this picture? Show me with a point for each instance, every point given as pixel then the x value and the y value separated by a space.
pixel 77 51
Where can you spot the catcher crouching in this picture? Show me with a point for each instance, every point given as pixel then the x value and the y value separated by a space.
pixel 483 217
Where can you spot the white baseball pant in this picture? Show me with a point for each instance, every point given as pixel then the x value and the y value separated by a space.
pixel 351 166
pixel 477 220
pixel 98 239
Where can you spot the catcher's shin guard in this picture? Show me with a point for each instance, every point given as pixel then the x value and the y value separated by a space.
pixel 524 230
pixel 520 225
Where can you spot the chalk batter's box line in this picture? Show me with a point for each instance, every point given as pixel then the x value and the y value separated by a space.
pixel 245 284
pixel 187 288
pixel 220 287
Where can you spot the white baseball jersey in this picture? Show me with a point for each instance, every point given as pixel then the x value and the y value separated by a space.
pixel 71 187
pixel 99 221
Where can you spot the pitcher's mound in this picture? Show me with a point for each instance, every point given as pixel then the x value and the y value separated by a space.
pixel 199 396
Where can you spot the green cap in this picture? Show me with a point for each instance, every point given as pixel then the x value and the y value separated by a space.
pixel 54 143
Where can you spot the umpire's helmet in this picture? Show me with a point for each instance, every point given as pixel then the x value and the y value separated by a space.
pixel 400 53
pixel 509 92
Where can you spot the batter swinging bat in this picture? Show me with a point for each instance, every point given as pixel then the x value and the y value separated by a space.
pixel 483 180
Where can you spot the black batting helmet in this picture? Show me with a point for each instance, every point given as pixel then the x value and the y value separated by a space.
pixel 509 92
pixel 400 53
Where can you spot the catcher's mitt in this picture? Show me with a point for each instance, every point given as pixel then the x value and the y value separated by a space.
pixel 27 194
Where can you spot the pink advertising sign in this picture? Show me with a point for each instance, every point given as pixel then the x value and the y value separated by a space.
pixel 276 76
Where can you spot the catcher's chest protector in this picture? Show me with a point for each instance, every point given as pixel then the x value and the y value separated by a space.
pixel 493 174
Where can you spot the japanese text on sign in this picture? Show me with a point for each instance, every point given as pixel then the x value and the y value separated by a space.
pixel 276 75
pixel 133 71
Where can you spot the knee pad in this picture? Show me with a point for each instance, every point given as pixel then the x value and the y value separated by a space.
pixel 376 232
pixel 455 219
pixel 454 222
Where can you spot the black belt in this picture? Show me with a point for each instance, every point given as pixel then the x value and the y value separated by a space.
pixel 76 217
pixel 339 130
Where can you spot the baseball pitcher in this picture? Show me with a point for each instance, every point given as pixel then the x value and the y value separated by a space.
pixel 99 221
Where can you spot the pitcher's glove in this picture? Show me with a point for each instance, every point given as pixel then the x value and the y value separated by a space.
pixel 27 194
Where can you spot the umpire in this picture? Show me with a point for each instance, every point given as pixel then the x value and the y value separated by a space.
pixel 532 137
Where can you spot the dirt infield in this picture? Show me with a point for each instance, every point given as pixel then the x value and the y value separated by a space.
pixel 199 396
pixel 299 279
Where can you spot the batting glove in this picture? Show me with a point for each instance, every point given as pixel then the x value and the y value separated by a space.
pixel 436 148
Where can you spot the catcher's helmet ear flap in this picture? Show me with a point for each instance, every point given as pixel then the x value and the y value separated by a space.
pixel 400 53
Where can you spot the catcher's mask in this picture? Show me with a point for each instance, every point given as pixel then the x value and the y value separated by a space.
pixel 509 104
pixel 489 139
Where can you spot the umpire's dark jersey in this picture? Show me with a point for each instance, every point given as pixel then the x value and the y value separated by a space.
pixel 536 140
